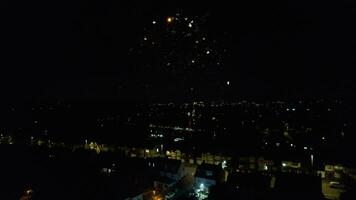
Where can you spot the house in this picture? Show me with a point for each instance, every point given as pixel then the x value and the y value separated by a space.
pixel 167 172
pixel 208 175
pixel 173 169
pixel 163 183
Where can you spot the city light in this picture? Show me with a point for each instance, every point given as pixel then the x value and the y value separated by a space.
pixel 169 19
pixel 223 164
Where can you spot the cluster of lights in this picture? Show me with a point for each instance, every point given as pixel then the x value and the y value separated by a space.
pixel 177 43
pixel 156 136
pixel 201 192
pixel 6 139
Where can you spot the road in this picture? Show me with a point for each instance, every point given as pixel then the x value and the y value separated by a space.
pixel 329 192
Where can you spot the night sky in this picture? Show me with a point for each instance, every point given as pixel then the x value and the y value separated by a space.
pixel 96 50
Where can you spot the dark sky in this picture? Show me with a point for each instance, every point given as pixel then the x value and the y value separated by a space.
pixel 79 49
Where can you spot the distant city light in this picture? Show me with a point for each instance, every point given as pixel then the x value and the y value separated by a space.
pixel 208 52
pixel 178 139
pixel 284 164
pixel 223 164
pixel 227 82
pixel 305 148
pixel 190 25
pixel 293 109
pixel 169 19
pixel 154 22
pixel 265 167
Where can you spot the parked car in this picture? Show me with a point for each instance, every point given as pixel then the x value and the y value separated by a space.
pixel 336 184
